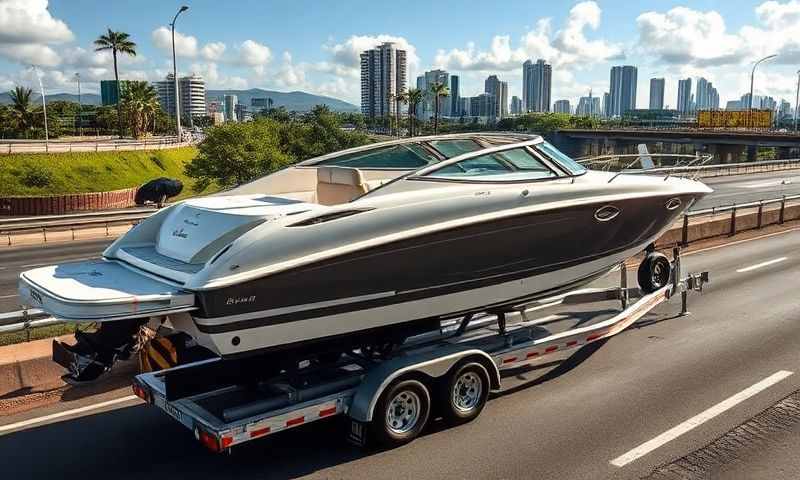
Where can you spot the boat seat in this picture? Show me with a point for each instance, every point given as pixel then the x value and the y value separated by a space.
pixel 337 185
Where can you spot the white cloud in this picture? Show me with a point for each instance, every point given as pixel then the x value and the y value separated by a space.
pixel 213 51
pixel 568 47
pixel 30 53
pixel 346 55
pixel 27 30
pixel 210 73
pixel 185 45
pixel 289 75
pixel 29 21
pixel 253 54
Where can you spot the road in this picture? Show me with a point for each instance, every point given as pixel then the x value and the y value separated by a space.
pixel 569 423
pixel 750 188
pixel 18 259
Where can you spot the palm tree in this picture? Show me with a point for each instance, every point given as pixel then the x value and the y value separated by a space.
pixel 140 102
pixel 398 99
pixel 438 90
pixel 21 110
pixel 117 42
pixel 414 96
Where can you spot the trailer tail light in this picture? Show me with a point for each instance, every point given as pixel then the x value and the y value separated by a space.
pixel 141 392
pixel 209 440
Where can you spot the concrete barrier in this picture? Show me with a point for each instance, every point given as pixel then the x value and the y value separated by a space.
pixel 60 204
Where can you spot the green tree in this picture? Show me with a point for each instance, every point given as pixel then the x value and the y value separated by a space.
pixel 21 109
pixel 117 42
pixel 414 97
pixel 235 153
pixel 140 103
pixel 438 90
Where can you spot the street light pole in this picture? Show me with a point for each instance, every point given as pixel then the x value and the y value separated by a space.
pixel 752 76
pixel 80 108
pixel 44 107
pixel 175 74
pixel 797 101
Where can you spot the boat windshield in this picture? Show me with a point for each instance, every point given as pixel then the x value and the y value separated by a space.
pixel 560 158
pixel 408 156
pixel 455 147
pixel 509 165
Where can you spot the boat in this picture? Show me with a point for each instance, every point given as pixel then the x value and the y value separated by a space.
pixel 366 246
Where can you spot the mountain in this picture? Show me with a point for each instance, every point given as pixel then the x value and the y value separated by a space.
pixel 86 98
pixel 298 101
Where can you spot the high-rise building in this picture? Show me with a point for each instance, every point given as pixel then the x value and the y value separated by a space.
pixel 733 105
pixel 536 86
pixel 483 105
pixel 424 82
pixel 707 96
pixel 588 106
pixel 455 97
pixel 622 91
pixel 684 105
pixel 192 91
pixel 383 77
pixel 784 110
pixel 108 90
pixel 562 106
pixel 606 104
pixel 230 102
pixel 657 94
pixel 499 89
pixel 516 105
pixel 463 106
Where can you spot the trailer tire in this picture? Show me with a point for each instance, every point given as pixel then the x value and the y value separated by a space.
pixel 401 413
pixel 654 272
pixel 464 393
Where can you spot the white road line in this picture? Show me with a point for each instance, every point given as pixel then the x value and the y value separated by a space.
pixel 9 296
pixel 74 411
pixel 762 264
pixel 699 419
pixel 737 242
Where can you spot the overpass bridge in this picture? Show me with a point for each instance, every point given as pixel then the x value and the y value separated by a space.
pixel 727 145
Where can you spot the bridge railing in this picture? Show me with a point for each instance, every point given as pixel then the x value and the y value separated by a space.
pixel 695 165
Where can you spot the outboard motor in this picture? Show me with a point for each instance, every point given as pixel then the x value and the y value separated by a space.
pixel 158 191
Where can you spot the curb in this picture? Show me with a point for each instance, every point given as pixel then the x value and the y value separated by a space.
pixel 27 367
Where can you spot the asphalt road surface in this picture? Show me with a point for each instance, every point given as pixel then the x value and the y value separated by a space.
pixel 750 188
pixel 14 260
pixel 569 423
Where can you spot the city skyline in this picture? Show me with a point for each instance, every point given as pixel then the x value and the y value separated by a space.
pixel 581 42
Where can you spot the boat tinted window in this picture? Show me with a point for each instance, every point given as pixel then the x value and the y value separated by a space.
pixel 556 155
pixel 407 157
pixel 454 148
pixel 516 164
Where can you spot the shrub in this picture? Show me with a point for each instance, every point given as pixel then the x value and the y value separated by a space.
pixel 36 176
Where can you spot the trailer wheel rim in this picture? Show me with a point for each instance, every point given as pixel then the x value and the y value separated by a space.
pixel 467 392
pixel 660 274
pixel 402 413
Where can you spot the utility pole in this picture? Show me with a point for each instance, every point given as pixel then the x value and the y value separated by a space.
pixel 44 107
pixel 797 101
pixel 175 75
pixel 80 108
pixel 752 76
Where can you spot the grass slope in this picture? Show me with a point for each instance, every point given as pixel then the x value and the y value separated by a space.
pixel 79 172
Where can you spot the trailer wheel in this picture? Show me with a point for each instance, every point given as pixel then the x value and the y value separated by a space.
pixel 654 272
pixel 401 413
pixel 464 393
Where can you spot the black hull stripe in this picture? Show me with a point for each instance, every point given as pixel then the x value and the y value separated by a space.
pixel 408 297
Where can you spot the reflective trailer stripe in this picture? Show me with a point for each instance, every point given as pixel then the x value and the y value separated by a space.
pixel 259 432
pixel 328 411
pixel 295 421
pixel 551 348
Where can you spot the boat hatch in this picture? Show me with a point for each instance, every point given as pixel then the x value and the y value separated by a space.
pixel 99 290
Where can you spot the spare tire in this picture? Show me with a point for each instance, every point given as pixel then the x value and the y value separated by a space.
pixel 158 190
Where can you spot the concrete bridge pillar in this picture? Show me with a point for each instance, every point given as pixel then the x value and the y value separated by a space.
pixel 752 153
pixel 727 153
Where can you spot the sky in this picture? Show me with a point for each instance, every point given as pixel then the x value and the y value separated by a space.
pixel 313 46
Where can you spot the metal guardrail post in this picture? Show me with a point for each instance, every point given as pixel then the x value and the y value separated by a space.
pixel 733 221
pixel 760 213
pixel 783 207
pixel 44 234
pixel 685 230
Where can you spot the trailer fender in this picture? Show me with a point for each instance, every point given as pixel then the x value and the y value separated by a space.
pixel 433 364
